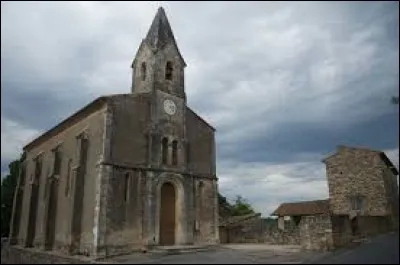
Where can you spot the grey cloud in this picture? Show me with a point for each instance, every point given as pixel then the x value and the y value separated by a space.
pixel 282 82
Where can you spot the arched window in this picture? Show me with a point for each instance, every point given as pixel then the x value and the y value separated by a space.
pixel 126 187
pixel 168 71
pixel 143 71
pixel 174 152
pixel 164 146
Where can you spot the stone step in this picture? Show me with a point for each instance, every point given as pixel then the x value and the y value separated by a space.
pixel 176 249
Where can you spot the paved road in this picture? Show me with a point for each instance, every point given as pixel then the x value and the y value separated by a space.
pixel 383 249
pixel 236 254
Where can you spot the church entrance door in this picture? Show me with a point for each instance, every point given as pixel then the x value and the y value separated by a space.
pixel 167 214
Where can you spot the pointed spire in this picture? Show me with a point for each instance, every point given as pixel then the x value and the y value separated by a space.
pixel 160 32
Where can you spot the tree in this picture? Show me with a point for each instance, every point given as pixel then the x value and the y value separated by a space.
pixel 8 185
pixel 241 207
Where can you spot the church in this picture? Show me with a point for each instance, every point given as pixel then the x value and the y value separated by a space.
pixel 126 171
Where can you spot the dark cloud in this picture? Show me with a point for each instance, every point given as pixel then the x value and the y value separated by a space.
pixel 283 83
pixel 38 109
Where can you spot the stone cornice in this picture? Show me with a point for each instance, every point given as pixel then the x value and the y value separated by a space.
pixel 156 169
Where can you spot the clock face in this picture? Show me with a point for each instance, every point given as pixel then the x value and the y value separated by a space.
pixel 169 107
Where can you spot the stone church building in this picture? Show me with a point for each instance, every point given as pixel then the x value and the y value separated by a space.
pixel 126 171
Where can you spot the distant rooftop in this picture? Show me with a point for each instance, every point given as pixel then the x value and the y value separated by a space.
pixel 302 208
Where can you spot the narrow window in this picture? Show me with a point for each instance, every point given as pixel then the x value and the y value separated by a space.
pixel 168 71
pixel 164 146
pixel 68 180
pixel 126 198
pixel 143 71
pixel 22 177
pixel 57 162
pixel 174 152
pixel 38 170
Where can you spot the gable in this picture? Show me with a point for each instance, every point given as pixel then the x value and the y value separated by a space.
pixel 68 122
pixel 198 118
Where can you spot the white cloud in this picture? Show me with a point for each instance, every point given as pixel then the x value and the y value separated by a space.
pixel 393 155
pixel 13 137
pixel 267 186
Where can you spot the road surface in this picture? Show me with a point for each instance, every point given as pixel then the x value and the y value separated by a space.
pixel 383 249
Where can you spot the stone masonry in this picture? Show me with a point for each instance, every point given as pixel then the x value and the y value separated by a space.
pixel 363 173
pixel 363 193
pixel 126 171
pixel 363 201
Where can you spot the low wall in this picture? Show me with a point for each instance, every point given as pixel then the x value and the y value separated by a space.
pixel 246 231
pixel 288 236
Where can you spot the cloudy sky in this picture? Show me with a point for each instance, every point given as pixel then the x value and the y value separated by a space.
pixel 283 82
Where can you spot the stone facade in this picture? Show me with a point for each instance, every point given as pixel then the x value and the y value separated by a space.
pixel 125 172
pixel 355 172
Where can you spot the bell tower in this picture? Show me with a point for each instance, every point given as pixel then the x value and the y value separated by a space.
pixel 158 64
pixel 158 71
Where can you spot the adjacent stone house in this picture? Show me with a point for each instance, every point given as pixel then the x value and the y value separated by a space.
pixel 363 201
pixel 306 223
pixel 363 189
pixel 125 171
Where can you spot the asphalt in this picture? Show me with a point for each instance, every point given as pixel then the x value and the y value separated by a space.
pixel 235 254
pixel 383 249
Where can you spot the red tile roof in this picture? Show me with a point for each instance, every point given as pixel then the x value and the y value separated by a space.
pixel 303 208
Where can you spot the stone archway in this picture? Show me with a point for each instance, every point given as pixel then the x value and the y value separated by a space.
pixel 167 214
pixel 165 200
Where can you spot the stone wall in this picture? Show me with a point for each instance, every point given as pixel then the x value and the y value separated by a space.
pixel 19 255
pixel 129 139
pixel 311 232
pixel 289 235
pixel 341 230
pixel 373 225
pixel 316 232
pixel 248 231
pixel 90 121
pixel 201 148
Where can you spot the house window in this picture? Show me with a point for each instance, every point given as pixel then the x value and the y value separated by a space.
pixel 174 152
pixel 164 147
pixel 143 71
pixel 356 203
pixel 168 71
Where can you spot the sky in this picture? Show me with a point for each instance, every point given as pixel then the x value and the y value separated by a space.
pixel 283 83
